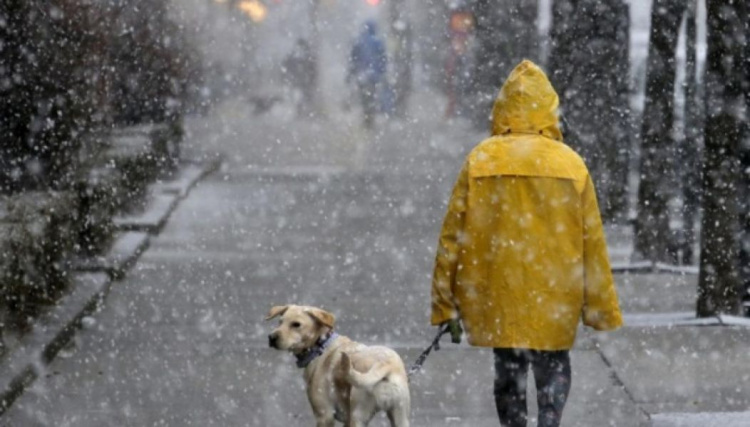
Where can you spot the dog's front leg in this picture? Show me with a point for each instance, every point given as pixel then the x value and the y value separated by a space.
pixel 323 409
pixel 353 422
pixel 324 416
pixel 325 421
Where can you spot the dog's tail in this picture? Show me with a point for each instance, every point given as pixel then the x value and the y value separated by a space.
pixel 366 380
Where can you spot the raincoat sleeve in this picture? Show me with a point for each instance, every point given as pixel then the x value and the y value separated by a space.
pixel 601 309
pixel 444 306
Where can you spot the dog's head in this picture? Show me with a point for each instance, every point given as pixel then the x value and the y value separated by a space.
pixel 299 328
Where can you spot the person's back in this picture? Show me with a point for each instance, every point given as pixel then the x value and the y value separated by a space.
pixel 522 252
pixel 527 194
pixel 297 64
pixel 367 66
pixel 368 59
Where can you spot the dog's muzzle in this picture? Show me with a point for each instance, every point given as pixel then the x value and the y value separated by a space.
pixel 273 341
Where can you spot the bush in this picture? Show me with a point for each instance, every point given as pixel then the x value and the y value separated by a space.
pixel 97 202
pixel 36 236
pixel 70 67
pixel 70 72
pixel 152 62
pixel 48 89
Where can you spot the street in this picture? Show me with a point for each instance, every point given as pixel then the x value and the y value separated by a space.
pixel 316 213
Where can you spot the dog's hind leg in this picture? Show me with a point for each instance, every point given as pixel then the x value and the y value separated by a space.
pixel 395 400
pixel 399 417
pixel 400 410
pixel 362 408
pixel 360 418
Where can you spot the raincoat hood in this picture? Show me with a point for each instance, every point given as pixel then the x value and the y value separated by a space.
pixel 527 103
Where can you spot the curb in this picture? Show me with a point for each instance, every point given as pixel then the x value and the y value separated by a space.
pixel 153 218
pixel 700 419
pixel 654 267
pixel 92 280
pixel 681 318
pixel 125 251
pixel 50 333
pixel 165 197
pixel 135 229
pixel 187 177
pixel 645 416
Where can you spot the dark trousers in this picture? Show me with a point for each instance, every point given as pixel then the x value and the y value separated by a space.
pixel 368 95
pixel 552 377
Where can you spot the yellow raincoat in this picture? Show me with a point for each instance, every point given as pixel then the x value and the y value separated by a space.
pixel 522 254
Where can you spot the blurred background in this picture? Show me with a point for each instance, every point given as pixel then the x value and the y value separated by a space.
pixel 337 128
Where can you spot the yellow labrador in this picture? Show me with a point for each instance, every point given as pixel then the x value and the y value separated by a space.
pixel 346 381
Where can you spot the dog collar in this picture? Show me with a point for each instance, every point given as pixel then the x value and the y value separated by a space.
pixel 304 359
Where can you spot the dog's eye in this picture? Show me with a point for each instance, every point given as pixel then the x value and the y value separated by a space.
pixel 296 325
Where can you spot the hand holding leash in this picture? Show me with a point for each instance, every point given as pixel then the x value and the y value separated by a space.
pixel 454 327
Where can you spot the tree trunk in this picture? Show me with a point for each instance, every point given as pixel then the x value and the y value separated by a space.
pixel 562 42
pixel 652 233
pixel 505 34
pixel 718 282
pixel 692 144
pixel 745 214
pixel 616 123
pixel 589 63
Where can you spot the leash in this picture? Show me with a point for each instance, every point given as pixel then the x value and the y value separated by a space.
pixel 417 366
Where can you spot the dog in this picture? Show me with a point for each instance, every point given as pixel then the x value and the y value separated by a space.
pixel 346 381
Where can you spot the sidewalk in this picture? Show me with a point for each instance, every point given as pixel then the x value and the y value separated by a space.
pixel 672 370
pixel 295 216
pixel 682 371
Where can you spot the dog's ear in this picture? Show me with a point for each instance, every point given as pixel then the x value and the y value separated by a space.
pixel 322 316
pixel 277 311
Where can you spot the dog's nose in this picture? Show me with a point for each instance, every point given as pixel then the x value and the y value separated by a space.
pixel 272 340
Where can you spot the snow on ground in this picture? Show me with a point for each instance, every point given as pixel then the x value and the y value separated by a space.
pixel 715 419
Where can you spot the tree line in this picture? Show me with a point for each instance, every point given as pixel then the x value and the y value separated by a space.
pixel 71 67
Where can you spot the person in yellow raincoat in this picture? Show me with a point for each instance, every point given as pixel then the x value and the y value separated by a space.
pixel 522 255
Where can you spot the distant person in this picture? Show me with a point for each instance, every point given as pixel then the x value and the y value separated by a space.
pixel 300 68
pixel 522 254
pixel 367 67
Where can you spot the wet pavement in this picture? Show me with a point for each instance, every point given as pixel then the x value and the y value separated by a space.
pixel 325 213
